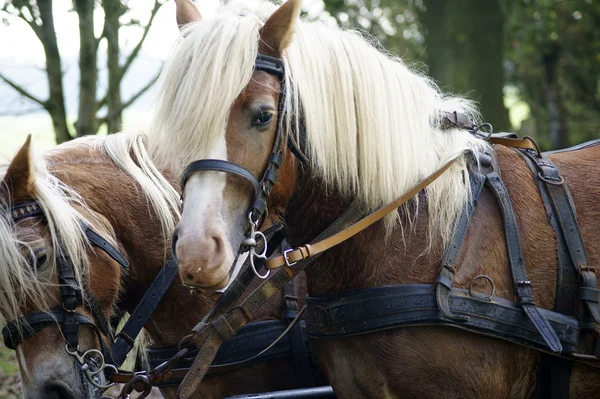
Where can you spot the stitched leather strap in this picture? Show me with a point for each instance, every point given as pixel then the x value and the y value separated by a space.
pixel 97 240
pixel 444 279
pixel 19 330
pixel 125 338
pixel 517 265
pixel 297 337
pixel 405 305
pixel 219 165
pixel 513 143
pixel 310 250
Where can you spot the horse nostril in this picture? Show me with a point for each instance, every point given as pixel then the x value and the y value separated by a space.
pixel 190 276
pixel 57 390
pixel 174 243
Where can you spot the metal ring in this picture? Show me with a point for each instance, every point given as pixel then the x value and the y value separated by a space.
pixel 260 276
pixel 483 276
pixel 263 254
pixel 553 182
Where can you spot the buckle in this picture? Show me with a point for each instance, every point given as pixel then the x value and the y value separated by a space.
pixel 287 260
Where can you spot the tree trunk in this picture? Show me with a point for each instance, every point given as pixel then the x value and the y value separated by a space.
pixel 557 112
pixel 56 102
pixel 114 119
pixel 88 70
pixel 465 46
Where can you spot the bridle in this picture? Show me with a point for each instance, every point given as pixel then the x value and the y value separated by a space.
pixel 257 212
pixel 93 362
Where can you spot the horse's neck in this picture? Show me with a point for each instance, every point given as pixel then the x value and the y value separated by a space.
pixel 369 259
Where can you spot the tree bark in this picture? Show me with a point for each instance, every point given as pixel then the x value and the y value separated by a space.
pixel 557 112
pixel 465 46
pixel 88 69
pixel 56 101
pixel 113 10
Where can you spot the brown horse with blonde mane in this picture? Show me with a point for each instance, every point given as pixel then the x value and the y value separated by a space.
pixel 319 121
pixel 111 184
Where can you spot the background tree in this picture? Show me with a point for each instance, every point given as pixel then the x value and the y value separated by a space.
pixel 93 110
pixel 460 41
pixel 553 57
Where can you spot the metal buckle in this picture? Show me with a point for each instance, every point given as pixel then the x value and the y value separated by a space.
pixel 287 260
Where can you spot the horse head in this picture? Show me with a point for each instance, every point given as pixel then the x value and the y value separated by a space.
pixel 57 290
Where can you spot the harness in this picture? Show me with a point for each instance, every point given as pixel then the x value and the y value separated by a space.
pixel 558 333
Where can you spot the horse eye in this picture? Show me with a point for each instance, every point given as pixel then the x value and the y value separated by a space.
pixel 263 119
pixel 38 259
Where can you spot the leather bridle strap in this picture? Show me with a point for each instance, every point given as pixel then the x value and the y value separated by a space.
pixel 262 188
pixel 219 165
pixel 26 327
pixel 307 251
pixel 125 338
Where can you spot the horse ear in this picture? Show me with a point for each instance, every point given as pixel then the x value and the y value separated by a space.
pixel 277 32
pixel 186 12
pixel 19 178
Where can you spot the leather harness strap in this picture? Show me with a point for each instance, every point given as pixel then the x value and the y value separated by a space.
pixel 411 305
pixel 516 262
pixel 125 339
pixel 307 251
pixel 297 336
pixel 445 277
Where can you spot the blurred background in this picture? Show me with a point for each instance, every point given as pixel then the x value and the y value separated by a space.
pixel 74 67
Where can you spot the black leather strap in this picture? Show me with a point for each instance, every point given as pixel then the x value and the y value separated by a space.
pixel 587 144
pixel 250 340
pixel 125 338
pixel 271 65
pixel 444 279
pixel 517 265
pixel 97 240
pixel 219 165
pixel 405 305
pixel 16 331
pixel 297 336
pixel 554 373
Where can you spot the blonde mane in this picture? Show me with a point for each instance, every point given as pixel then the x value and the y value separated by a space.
pixel 20 283
pixel 372 124
pixel 63 220
pixel 128 151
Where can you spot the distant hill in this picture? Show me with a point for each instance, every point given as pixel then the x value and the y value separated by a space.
pixel 33 78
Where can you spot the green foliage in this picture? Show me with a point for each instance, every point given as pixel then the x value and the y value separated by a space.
pixel 395 23
pixel 565 32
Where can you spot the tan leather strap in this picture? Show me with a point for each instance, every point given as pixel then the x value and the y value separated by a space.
pixel 514 143
pixel 309 250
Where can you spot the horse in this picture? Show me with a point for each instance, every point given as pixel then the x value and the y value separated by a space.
pixel 112 185
pixel 256 91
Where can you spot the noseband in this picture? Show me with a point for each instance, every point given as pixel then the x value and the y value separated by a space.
pixel 15 332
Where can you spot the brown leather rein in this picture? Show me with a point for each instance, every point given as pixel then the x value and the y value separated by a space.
pixel 291 256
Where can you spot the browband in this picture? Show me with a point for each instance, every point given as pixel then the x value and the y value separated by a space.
pixel 33 209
